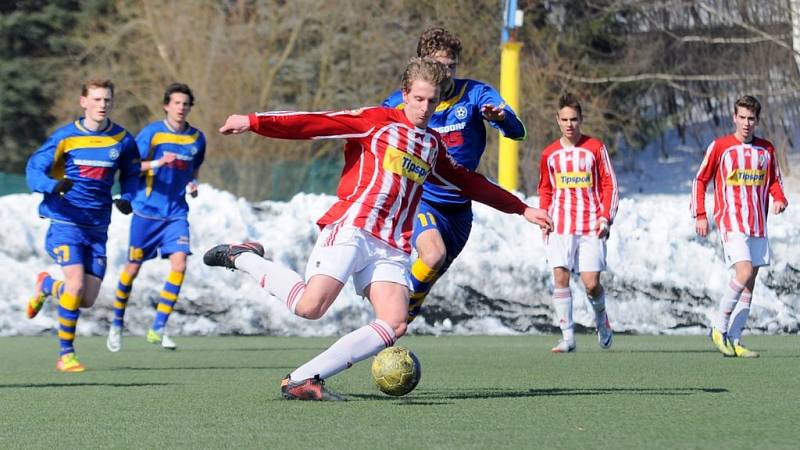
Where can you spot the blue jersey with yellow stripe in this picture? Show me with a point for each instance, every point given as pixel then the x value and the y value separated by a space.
pixel 162 192
pixel 90 159
pixel 460 122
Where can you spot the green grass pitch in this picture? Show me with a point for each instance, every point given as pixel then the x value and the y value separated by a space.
pixel 476 392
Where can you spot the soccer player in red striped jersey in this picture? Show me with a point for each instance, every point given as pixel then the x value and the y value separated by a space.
pixel 745 172
pixel 389 155
pixel 578 188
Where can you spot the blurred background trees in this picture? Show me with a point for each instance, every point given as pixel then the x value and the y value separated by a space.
pixel 641 67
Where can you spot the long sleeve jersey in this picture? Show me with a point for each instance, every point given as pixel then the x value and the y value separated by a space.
pixel 577 186
pixel 744 174
pixel 460 122
pixel 387 161
pixel 162 191
pixel 90 159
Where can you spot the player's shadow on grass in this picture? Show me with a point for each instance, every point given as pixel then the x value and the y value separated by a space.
pixel 82 384
pixel 439 397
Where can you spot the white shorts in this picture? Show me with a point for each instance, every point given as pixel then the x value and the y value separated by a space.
pixel 344 251
pixel 739 247
pixel 576 253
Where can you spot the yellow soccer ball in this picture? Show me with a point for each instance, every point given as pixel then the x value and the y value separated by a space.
pixel 396 371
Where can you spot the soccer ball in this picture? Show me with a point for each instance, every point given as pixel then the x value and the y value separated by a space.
pixel 396 371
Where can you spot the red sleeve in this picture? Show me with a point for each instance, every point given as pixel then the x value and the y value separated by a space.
pixel 705 174
pixel 608 184
pixel 776 182
pixel 315 125
pixel 451 175
pixel 545 186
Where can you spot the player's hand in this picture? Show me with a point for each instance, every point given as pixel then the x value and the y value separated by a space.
pixel 167 158
pixel 701 226
pixel 603 228
pixel 493 113
pixel 539 217
pixel 123 206
pixel 62 186
pixel 191 189
pixel 778 207
pixel 236 124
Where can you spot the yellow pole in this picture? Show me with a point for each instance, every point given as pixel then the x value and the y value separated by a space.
pixel 508 156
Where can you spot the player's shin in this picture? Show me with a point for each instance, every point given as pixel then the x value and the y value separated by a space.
pixel 727 304
pixel 68 313
pixel 739 317
pixel 168 298
pixel 562 303
pixel 282 282
pixel 121 298
pixel 348 350
pixel 422 278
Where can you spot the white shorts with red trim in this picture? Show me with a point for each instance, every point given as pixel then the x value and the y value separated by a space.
pixel 576 253
pixel 740 247
pixel 344 251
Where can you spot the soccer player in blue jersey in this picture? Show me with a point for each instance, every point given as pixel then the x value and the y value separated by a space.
pixel 75 170
pixel 172 152
pixel 444 218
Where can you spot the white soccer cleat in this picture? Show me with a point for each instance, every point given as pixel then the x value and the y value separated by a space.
pixel 604 333
pixel 168 343
pixel 114 341
pixel 564 347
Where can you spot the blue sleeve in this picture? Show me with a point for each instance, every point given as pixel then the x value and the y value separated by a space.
pixel 201 153
pixel 511 126
pixel 396 98
pixel 129 168
pixel 143 143
pixel 38 167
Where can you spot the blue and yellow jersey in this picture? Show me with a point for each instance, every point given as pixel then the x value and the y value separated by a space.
pixel 90 159
pixel 162 192
pixel 460 122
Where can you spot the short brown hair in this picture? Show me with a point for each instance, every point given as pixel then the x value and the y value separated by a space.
pixel 749 102
pixel 570 101
pixel 96 83
pixel 179 88
pixel 438 39
pixel 425 69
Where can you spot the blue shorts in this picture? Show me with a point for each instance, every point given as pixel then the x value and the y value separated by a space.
pixel 454 223
pixel 70 244
pixel 151 236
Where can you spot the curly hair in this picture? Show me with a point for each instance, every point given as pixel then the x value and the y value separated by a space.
pixel 438 39
pixel 425 69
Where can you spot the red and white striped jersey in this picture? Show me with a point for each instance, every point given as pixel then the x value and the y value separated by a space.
pixel 387 160
pixel 577 186
pixel 743 175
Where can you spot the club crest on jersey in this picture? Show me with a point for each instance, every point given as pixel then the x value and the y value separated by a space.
pixel 461 113
pixel 405 165
pixel 193 150
pixel 747 177
pixel 572 180
pixel 113 154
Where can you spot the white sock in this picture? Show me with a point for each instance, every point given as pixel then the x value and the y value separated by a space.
pixel 727 303
pixel 739 317
pixel 348 350
pixel 598 304
pixel 280 281
pixel 562 303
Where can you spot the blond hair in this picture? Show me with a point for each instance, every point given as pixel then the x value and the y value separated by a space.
pixel 425 69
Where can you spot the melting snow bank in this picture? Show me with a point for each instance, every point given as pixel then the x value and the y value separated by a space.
pixel 661 278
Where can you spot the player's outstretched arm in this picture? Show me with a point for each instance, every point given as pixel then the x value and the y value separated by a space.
pixel 539 217
pixel 236 124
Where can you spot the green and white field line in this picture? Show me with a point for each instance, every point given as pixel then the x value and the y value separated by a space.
pixel 476 392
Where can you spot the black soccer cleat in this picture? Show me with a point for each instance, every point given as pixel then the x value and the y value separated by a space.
pixel 225 254
pixel 308 389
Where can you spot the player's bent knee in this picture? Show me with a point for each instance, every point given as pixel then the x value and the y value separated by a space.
pixel 309 310
pixel 399 329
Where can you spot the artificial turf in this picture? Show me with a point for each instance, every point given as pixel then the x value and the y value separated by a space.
pixel 476 392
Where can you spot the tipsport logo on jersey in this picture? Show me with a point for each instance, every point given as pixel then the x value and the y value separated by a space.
pixel 406 165
pixel 747 177
pixel 573 180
